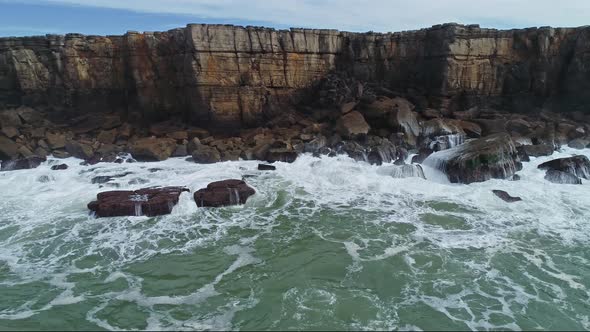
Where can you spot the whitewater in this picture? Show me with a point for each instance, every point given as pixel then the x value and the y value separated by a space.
pixel 326 243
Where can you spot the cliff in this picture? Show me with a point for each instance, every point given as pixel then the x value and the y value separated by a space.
pixel 231 76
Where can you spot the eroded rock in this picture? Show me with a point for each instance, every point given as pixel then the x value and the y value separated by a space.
pixel 143 202
pixel 223 193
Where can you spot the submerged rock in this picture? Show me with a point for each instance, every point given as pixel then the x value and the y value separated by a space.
pixel 143 202
pixel 506 197
pixel 560 177
pixel 263 167
pixel 403 171
pixel 223 193
pixel 490 157
pixel 578 166
pixel 59 167
pixel 24 163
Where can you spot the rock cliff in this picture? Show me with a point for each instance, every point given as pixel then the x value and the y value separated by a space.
pixel 222 76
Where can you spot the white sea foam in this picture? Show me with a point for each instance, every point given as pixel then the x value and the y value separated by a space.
pixel 46 234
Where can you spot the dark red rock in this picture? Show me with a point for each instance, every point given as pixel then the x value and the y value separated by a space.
pixel 223 193
pixel 143 202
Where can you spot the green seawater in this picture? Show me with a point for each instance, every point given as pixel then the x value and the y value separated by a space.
pixel 324 245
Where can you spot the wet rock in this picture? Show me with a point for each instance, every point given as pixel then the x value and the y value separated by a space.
pixel 284 155
pixel 59 167
pixel 538 150
pixel 560 177
pixel 506 197
pixel 352 124
pixel 24 163
pixel 223 193
pixel 478 160
pixel 181 151
pixel 44 178
pixel 264 167
pixel 143 202
pixel 79 150
pixel 423 153
pixel 578 143
pixel 402 171
pixel 204 154
pixel 578 166
pixel 515 177
pixel 61 154
pixel 153 149
pixel 522 155
pixel 383 153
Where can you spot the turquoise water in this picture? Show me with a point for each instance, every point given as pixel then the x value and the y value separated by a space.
pixel 324 244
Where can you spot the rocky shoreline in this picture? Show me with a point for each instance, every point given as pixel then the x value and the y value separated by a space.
pixel 339 93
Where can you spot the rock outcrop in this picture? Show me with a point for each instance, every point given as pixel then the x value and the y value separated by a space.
pixel 232 76
pixel 143 202
pixel 578 166
pixel 223 193
pixel 490 157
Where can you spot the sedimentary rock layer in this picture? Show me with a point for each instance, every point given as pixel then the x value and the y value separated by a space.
pixel 232 76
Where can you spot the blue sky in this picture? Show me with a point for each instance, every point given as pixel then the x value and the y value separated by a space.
pixel 35 17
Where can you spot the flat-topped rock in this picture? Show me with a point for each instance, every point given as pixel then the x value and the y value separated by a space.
pixel 143 202
pixel 577 165
pixel 490 157
pixel 223 193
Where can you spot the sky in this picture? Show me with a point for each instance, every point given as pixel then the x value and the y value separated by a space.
pixel 115 17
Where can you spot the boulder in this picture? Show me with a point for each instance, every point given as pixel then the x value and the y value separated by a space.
pixel 153 149
pixel 490 157
pixel 24 163
pixel 55 140
pixel 264 167
pixel 79 150
pixel 223 193
pixel 352 124
pixel 10 132
pixel 281 154
pixel 538 150
pixel 8 148
pixel 107 136
pixel 560 177
pixel 204 154
pixel 506 197
pixel 143 202
pixel 383 153
pixel 59 167
pixel 347 107
pixel 578 143
pixel 578 166
pixel 10 118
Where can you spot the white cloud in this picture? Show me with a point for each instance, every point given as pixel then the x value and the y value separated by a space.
pixel 359 15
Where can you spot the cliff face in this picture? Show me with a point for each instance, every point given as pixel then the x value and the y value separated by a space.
pixel 219 75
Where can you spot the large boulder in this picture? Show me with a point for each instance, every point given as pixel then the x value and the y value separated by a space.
pixel 55 140
pixel 8 148
pixel 223 193
pixel 79 150
pixel 204 154
pixel 578 143
pixel 143 202
pixel 153 149
pixel 24 163
pixel 490 157
pixel 352 124
pixel 577 165
pixel 560 177
pixel 538 150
